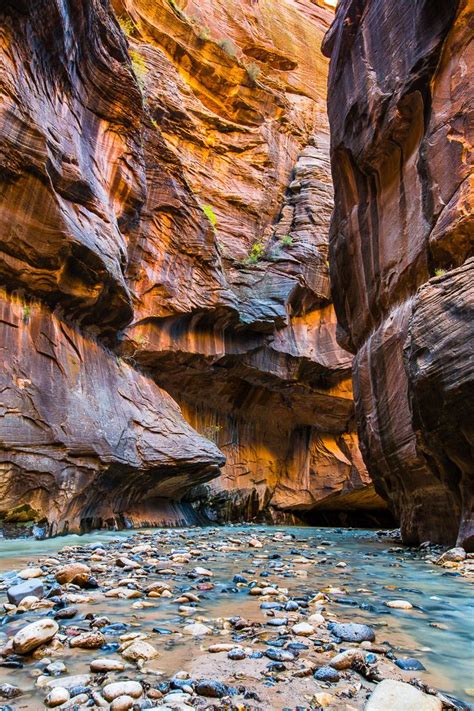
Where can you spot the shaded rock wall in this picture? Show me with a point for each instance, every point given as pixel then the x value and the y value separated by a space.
pixel 400 110
pixel 164 214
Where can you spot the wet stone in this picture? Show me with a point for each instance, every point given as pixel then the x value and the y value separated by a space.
pixel 211 688
pixel 410 664
pixel 16 593
pixel 279 655
pixel 352 632
pixel 326 673
pixel 9 691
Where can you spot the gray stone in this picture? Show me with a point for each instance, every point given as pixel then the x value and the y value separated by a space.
pixel 16 593
pixel 352 632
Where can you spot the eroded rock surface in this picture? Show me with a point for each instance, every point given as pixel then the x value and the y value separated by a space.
pixel 90 440
pixel 166 197
pixel 400 109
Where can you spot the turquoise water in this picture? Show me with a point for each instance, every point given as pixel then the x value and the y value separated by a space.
pixel 377 571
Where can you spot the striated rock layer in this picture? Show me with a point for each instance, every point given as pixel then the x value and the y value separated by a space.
pixel 164 215
pixel 89 438
pixel 401 246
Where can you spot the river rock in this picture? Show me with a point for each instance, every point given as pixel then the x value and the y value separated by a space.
pixel 399 604
pixel 326 673
pixel 221 647
pixel 34 635
pixel 76 573
pixel 316 619
pixel 323 699
pixel 277 654
pixel 197 629
pixel 8 691
pixel 57 696
pixel 30 573
pixel 410 664
pixel 203 571
pixel 17 593
pixel 139 651
pixel 88 640
pixel 69 682
pixel 391 695
pixel 106 664
pixel 453 555
pixel 122 703
pixel 66 613
pixel 303 629
pixel 344 659
pixel 211 688
pixel 122 688
pixel 353 632
pixel 28 602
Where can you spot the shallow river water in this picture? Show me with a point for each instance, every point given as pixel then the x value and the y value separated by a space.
pixel 438 631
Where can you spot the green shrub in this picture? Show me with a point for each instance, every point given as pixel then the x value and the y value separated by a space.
pixel 286 241
pixel 210 214
pixel 26 314
pixel 228 46
pixel 212 432
pixel 253 70
pixel 256 253
pixel 139 68
pixel 440 272
pixel 127 25
pixel 204 34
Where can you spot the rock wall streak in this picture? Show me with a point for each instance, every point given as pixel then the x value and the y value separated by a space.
pixel 401 246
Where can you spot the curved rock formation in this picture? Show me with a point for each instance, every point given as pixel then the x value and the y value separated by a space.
pixel 400 110
pixel 88 437
pixel 164 213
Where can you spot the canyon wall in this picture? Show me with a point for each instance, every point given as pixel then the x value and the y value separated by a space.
pixel 400 104
pixel 164 213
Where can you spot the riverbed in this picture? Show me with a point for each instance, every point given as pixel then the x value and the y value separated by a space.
pixel 343 575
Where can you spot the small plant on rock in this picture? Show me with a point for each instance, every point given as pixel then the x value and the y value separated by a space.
pixel 253 70
pixel 212 431
pixel 204 33
pixel 256 253
pixel 440 272
pixel 211 216
pixel 228 46
pixel 127 25
pixel 26 313
pixel 139 68
pixel 286 241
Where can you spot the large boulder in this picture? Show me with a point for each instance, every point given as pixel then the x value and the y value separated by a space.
pixel 391 695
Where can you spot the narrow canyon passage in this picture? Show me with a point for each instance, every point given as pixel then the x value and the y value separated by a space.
pixel 236 315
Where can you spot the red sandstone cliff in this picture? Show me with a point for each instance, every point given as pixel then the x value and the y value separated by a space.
pixel 164 219
pixel 401 250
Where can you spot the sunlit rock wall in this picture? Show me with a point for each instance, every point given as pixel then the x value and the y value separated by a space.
pixel 166 197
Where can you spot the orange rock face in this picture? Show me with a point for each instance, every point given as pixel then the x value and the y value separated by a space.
pixel 401 246
pixel 166 197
